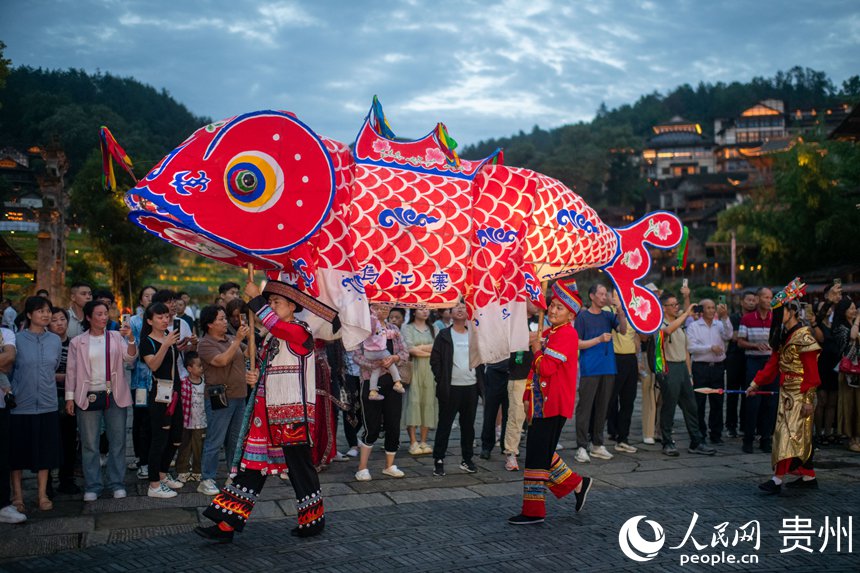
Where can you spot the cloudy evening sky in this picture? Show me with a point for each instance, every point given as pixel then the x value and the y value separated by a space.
pixel 487 69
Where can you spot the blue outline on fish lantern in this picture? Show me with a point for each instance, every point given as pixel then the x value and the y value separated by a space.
pixel 577 220
pixel 182 182
pixel 497 236
pixel 506 314
pixel 406 218
pixel 300 266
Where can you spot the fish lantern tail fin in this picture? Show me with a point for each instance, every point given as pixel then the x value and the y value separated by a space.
pixel 632 262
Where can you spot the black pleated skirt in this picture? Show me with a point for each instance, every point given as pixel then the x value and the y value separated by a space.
pixel 34 441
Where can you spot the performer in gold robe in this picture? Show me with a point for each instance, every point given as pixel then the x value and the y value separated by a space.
pixel 795 358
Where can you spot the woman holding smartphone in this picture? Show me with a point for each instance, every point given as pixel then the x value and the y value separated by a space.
pixel 158 349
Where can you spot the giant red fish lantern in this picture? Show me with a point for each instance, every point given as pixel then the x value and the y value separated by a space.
pixel 392 221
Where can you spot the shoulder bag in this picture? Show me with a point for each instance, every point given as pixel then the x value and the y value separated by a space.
pixel 163 386
pixel 101 400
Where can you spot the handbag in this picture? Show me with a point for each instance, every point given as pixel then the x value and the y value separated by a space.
pixel 405 369
pixel 850 364
pixel 100 400
pixel 217 396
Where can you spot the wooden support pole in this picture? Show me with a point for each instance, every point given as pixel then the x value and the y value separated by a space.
pixel 543 286
pixel 252 341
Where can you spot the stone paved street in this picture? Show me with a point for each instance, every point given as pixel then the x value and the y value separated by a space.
pixel 425 523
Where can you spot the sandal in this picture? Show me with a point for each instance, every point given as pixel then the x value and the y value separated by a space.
pixel 46 504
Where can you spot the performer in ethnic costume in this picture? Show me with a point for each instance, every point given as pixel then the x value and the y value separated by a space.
pixel 549 400
pixel 279 425
pixel 795 358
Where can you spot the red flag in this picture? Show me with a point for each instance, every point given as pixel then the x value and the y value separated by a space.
pixel 112 150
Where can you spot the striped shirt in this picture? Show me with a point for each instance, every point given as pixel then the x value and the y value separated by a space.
pixel 755 330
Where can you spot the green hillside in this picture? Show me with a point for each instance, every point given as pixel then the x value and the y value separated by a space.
pixel 192 273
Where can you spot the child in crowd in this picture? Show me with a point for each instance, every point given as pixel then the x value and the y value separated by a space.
pixel 375 350
pixel 194 420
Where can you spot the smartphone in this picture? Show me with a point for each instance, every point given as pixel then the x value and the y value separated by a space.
pixel 685 283
pixel 176 324
pixel 698 308
pixel 722 299
pixel 126 319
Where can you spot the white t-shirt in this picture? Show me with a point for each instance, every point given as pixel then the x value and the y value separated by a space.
pixel 461 374
pixel 8 337
pixel 198 409
pixel 98 372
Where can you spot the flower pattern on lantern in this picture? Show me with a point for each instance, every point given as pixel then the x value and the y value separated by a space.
pixel 659 228
pixel 632 259
pixel 381 145
pixel 640 306
pixel 434 156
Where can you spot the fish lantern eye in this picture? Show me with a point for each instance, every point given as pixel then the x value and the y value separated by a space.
pixel 254 181
pixel 246 181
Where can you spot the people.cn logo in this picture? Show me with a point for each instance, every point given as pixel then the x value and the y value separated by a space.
pixel 634 545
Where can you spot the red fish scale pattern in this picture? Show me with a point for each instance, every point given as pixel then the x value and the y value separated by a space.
pixel 405 255
pixel 566 248
pixel 503 198
pixel 334 241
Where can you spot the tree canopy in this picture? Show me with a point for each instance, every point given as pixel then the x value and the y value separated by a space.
pixel 587 156
pixel 807 219
pixel 45 107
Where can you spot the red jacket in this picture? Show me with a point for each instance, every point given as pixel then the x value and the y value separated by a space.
pixel 551 390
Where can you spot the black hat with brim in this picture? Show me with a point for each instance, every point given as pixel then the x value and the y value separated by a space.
pixel 303 301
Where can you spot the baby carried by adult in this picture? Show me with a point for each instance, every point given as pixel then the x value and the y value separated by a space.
pixel 376 350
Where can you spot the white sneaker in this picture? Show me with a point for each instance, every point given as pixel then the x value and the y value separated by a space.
pixel 132 466
pixel 284 476
pixel 172 483
pixel 582 456
pixel 11 515
pixel 143 472
pixel 162 492
pixel 625 447
pixel 600 452
pixel 559 447
pixel 91 496
pixel 339 457
pixel 208 487
pixel 649 441
pixel 353 452
pixel 511 463
pixel 184 477
pixel 119 494
pixel 393 471
pixel 363 475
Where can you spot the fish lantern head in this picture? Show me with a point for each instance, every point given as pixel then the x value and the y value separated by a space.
pixel 257 184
